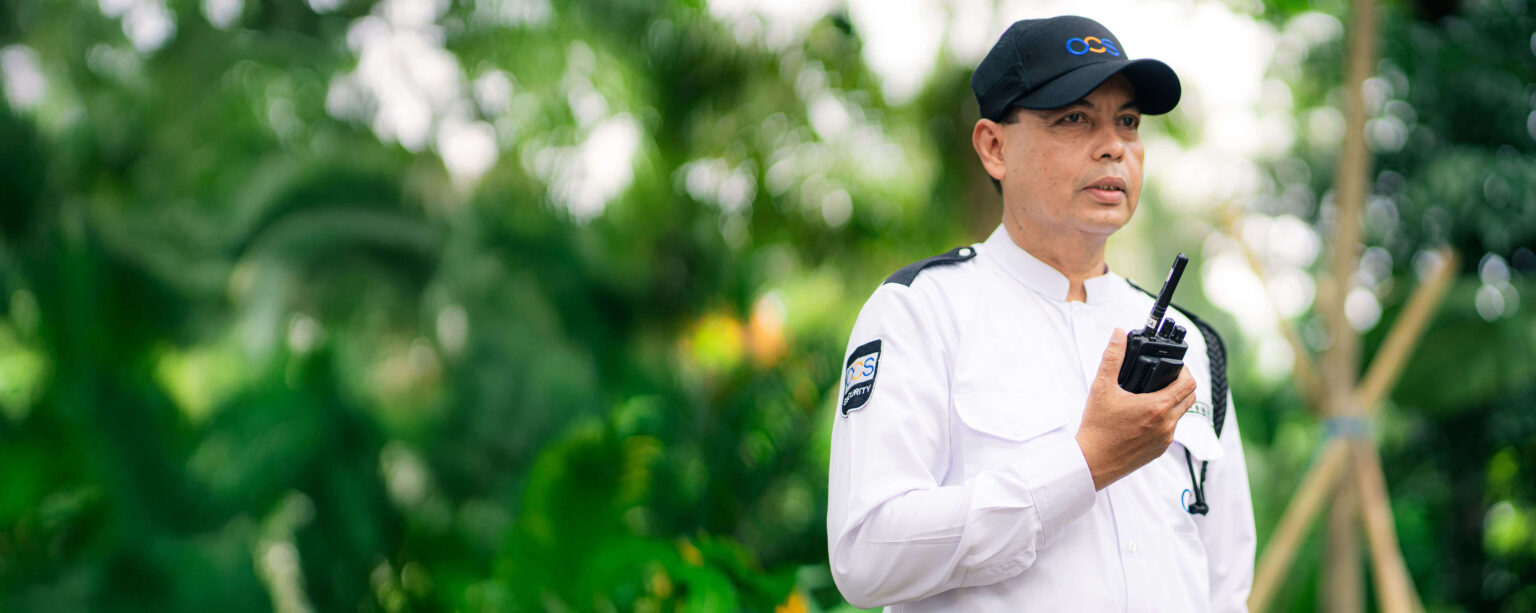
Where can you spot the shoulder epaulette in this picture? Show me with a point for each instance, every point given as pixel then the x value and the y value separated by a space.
pixel 1216 351
pixel 908 273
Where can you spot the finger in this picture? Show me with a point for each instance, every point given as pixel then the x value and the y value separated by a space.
pixel 1178 388
pixel 1182 406
pixel 1114 355
pixel 1189 376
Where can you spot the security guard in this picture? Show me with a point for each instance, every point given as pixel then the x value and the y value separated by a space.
pixel 983 456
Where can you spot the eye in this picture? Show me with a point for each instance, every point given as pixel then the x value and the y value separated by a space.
pixel 1072 117
pixel 1130 121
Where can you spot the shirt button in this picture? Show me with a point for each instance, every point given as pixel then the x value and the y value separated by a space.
pixel 1132 547
pixel 1015 430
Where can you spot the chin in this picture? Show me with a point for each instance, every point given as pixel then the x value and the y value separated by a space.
pixel 1103 230
pixel 1104 222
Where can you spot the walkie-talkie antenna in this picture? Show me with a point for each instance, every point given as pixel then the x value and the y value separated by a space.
pixel 1166 295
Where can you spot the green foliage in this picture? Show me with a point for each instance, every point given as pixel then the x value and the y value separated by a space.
pixel 261 349
pixel 1453 156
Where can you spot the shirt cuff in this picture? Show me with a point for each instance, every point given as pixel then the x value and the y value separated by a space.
pixel 1061 484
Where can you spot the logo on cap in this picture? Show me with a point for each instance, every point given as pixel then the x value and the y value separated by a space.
pixel 1080 46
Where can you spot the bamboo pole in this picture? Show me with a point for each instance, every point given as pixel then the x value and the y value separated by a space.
pixel 1321 480
pixel 1342 593
pixel 1342 358
pixel 1404 335
pixel 1394 586
pixel 1343 587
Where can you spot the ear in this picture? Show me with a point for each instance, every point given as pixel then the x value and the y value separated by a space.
pixel 988 139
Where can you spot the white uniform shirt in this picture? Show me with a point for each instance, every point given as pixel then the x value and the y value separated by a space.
pixel 957 484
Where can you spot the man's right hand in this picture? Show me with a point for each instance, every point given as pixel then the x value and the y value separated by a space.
pixel 1121 431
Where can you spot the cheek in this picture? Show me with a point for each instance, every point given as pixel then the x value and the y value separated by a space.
pixel 1028 167
pixel 1137 156
pixel 1043 168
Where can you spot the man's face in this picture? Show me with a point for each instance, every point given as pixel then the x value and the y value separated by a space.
pixel 1076 168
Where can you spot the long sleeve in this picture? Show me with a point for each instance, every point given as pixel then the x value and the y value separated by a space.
pixel 894 533
pixel 1228 530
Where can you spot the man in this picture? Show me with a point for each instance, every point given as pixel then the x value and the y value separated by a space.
pixel 984 457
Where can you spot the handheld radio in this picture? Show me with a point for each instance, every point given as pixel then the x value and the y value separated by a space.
pixel 1155 354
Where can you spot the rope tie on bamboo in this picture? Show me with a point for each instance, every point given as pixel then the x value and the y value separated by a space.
pixel 1348 426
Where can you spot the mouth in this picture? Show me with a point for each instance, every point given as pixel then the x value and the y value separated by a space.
pixel 1108 190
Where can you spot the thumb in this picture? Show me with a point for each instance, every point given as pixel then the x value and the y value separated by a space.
pixel 1114 355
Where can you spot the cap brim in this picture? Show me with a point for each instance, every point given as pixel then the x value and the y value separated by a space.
pixel 1157 87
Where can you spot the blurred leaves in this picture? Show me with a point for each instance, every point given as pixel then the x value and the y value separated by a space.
pixel 1449 110
pixel 539 306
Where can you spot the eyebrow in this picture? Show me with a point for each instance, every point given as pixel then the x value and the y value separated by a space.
pixel 1089 105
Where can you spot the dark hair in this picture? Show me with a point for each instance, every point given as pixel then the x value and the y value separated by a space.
pixel 1010 117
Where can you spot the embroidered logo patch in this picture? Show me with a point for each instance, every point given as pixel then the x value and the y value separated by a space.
pixel 859 376
pixel 1202 409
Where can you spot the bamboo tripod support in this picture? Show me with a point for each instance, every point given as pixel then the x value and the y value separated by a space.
pixel 1324 476
pixel 1348 464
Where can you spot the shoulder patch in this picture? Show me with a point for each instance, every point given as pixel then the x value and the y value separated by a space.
pixel 859 376
pixel 908 273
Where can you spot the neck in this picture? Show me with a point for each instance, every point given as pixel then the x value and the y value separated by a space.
pixel 1076 256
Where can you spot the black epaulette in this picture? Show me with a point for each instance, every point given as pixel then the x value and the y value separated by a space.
pixel 1216 351
pixel 907 274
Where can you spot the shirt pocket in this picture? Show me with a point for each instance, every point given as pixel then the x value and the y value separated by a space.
pixel 1011 417
pixel 998 427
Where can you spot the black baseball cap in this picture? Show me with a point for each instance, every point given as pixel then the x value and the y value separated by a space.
pixel 1050 63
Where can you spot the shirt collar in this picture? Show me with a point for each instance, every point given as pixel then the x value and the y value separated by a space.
pixel 1039 276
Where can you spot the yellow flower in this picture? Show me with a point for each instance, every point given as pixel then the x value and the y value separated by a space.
pixel 794 604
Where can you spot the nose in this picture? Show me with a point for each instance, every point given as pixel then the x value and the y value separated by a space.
pixel 1109 146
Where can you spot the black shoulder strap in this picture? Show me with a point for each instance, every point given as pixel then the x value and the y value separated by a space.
pixel 1216 351
pixel 908 274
